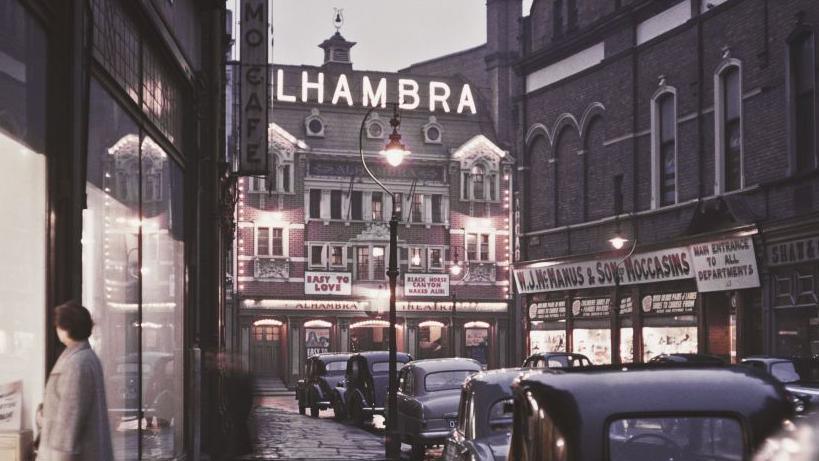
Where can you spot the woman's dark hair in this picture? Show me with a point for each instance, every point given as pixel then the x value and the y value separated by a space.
pixel 75 319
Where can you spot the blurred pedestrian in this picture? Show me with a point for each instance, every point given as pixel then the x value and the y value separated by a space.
pixel 75 415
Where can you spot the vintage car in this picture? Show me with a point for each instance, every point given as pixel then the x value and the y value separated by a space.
pixel 322 373
pixel 645 412
pixel 363 391
pixel 428 395
pixel 805 391
pixel 556 360
pixel 698 359
pixel 484 425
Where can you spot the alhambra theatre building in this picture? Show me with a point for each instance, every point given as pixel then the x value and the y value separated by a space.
pixel 313 236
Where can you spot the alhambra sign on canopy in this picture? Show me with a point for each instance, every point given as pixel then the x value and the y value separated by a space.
pixel 376 92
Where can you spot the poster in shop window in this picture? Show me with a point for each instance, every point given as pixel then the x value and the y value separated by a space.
pixel 11 406
pixel 728 264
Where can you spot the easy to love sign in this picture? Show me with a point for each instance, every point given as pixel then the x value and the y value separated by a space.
pixel 328 283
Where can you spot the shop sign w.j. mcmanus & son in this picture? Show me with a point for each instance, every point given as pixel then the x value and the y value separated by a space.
pixel 728 264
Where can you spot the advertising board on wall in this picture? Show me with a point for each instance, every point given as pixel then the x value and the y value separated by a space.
pixel 426 285
pixel 726 264
pixel 328 283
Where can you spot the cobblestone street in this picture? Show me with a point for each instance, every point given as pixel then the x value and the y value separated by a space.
pixel 281 433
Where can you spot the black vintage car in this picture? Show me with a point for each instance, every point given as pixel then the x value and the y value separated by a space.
pixel 698 359
pixel 484 425
pixel 556 360
pixel 797 376
pixel 317 389
pixel 428 395
pixel 363 392
pixel 647 413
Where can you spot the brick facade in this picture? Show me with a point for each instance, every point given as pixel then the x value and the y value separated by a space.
pixel 584 132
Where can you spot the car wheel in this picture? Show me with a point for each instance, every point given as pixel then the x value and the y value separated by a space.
pixel 338 409
pixel 314 412
pixel 418 452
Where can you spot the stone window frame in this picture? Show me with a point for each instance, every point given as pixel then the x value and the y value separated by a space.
pixel 433 123
pixel 315 114
pixel 491 170
pixel 375 119
pixel 719 125
pixel 490 249
pixel 656 166
pixel 270 227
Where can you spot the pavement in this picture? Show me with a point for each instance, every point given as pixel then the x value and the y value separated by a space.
pixel 282 433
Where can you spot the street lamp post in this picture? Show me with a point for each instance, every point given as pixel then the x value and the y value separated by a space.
pixel 394 152
pixel 617 242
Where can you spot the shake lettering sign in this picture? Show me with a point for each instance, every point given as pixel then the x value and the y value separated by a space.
pixel 725 265
pixel 426 285
pixel 328 283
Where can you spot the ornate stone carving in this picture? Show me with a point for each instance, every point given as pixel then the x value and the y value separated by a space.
pixel 481 272
pixel 272 269
pixel 374 232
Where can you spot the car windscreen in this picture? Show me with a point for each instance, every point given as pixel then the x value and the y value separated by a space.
pixel 500 420
pixel 785 372
pixel 697 438
pixel 335 368
pixel 446 380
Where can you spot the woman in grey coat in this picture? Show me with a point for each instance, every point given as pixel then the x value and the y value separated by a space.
pixel 75 416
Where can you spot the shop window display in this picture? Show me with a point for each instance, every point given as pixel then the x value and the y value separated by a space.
pixel 316 340
pixel 593 343
pixel 23 227
pixel 547 341
pixel 669 340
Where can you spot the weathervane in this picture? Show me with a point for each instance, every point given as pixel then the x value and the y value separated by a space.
pixel 338 21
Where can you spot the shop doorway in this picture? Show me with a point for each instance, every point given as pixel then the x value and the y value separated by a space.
pixel 433 340
pixel 369 335
pixel 266 348
pixel 476 339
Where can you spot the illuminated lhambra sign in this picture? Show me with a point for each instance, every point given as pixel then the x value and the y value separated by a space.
pixel 375 92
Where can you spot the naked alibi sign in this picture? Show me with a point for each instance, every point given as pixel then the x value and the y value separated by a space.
pixel 253 88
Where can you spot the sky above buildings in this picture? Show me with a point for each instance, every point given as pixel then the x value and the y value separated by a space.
pixel 390 34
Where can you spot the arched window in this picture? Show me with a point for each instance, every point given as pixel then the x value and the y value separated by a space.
pixel 728 129
pixel 802 96
pixel 664 137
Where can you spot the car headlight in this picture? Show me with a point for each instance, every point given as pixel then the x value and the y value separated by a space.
pixel 797 402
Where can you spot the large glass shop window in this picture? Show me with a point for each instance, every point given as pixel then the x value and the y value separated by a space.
pixel 591 335
pixel 23 227
pixel 626 330
pixel 133 279
pixel 547 326
pixel 669 324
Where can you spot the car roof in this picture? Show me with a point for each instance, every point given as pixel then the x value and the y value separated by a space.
pixel 582 400
pixel 556 353
pixel 686 357
pixel 445 364
pixel 768 360
pixel 372 356
pixel 488 387
pixel 331 356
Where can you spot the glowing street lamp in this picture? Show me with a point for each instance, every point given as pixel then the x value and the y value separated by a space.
pixel 394 152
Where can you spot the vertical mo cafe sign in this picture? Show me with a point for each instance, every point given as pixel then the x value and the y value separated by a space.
pixel 253 88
